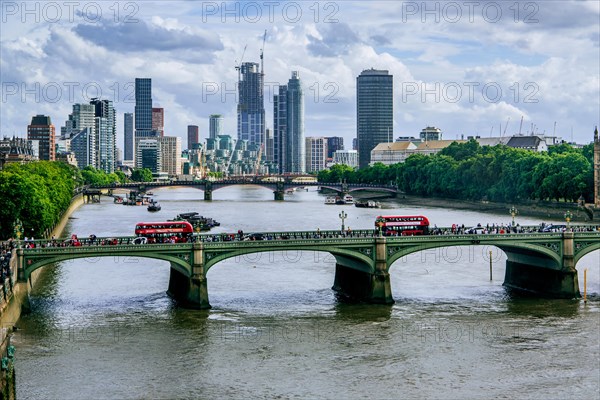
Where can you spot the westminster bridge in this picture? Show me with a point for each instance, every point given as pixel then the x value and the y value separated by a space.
pixel 538 263
pixel 277 184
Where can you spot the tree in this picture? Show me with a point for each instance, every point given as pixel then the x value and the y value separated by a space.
pixel 499 173
pixel 141 175
pixel 36 193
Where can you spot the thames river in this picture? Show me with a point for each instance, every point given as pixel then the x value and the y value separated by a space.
pixel 105 328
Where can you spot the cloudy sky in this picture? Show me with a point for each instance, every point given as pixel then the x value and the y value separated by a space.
pixel 469 68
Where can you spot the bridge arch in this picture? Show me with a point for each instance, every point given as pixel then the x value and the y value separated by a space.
pixel 265 185
pixel 585 251
pixel 360 261
pixel 176 261
pixel 548 254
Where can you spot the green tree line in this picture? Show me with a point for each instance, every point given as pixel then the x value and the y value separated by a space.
pixel 469 171
pixel 38 193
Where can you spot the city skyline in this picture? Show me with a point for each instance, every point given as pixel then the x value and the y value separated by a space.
pixel 193 72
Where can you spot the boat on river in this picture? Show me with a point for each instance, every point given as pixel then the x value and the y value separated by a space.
pixel 154 206
pixel 367 204
pixel 347 199
pixel 199 222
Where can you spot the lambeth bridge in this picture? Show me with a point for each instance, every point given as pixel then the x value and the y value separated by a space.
pixel 277 184
pixel 539 263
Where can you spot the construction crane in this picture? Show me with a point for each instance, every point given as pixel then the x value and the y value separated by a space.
pixel 521 125
pixel 202 170
pixel 258 158
pixel 505 126
pixel 230 156
pixel 238 67
pixel 262 64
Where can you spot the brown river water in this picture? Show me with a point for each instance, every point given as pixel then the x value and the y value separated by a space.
pixel 105 328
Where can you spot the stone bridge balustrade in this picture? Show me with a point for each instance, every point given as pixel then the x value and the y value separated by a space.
pixel 540 263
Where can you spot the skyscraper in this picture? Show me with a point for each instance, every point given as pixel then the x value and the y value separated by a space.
pixel 143 108
pixel 374 111
pixel 83 145
pixel 334 143
pixel 316 153
pixel 280 128
pixel 106 135
pixel 158 120
pixel 82 117
pixel 170 154
pixel 215 126
pixel 42 131
pixel 295 125
pixel 251 107
pixel 192 136
pixel 148 154
pixel 288 120
pixel 128 131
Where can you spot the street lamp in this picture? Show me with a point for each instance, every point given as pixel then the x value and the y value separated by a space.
pixel 513 212
pixel 568 217
pixel 379 223
pixel 343 216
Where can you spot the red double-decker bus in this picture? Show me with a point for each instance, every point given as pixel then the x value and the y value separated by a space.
pixel 179 231
pixel 402 225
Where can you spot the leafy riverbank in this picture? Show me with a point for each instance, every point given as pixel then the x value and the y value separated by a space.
pixel 544 210
pixel 37 194
pixel 470 172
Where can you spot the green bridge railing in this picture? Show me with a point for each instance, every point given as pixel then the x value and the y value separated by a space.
pixel 445 233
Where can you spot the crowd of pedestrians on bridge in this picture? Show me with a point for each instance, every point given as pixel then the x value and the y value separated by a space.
pixel 456 229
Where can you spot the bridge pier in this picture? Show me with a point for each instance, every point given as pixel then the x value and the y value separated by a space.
pixel 208 195
pixel 355 284
pixel 278 195
pixel 533 274
pixel 191 291
pixel 562 284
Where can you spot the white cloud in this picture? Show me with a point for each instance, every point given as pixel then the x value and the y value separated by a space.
pixel 185 52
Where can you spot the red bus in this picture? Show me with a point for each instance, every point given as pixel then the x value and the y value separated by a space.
pixel 402 225
pixel 160 232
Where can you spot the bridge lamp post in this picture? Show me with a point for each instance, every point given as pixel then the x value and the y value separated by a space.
pixel 343 216
pixel 513 212
pixel 379 223
pixel 568 217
